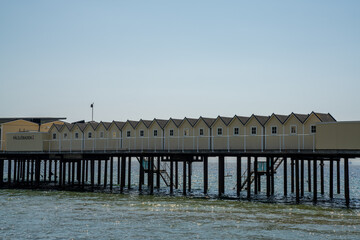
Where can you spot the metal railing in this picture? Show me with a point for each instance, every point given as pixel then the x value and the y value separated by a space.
pixel 244 143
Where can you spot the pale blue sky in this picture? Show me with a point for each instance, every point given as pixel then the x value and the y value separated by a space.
pixel 146 59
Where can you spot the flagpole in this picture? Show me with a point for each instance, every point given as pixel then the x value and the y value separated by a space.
pixel 92 112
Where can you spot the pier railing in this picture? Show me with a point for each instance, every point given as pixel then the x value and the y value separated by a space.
pixel 278 142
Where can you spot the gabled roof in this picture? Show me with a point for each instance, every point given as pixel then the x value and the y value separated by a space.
pixel 261 119
pixel 162 123
pixel 192 121
pixel 325 117
pixel 281 118
pixel 208 121
pixel 119 124
pixel 242 119
pixel 105 124
pixel 81 126
pixel 69 126
pixel 132 123
pixel 92 124
pixel 177 122
pixel 226 120
pixel 147 123
pixel 301 117
pixel 58 126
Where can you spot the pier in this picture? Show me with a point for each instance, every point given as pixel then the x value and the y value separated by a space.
pixel 89 171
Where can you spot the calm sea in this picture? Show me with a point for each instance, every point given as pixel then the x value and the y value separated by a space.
pixel 35 214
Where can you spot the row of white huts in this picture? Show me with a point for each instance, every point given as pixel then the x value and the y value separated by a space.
pixel 294 131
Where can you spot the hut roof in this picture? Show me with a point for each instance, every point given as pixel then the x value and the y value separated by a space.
pixel 325 117
pixel 162 123
pixel 119 124
pixel 226 120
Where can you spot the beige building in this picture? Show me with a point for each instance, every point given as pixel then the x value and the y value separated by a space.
pixel 237 132
pixel 128 133
pixel 114 135
pixel 255 131
pixel 202 133
pixel 221 133
pixel 274 131
pixel 294 132
pixel 143 135
pixel 27 141
pixel 157 135
pixel 172 134
pixel 187 134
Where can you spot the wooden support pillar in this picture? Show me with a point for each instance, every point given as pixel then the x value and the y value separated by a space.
pixel 268 185
pixel 60 172
pixel 118 170
pixel 189 174
pixel 111 172
pixel 171 176
pixel 37 171
pixel 331 180
pixel 50 170
pixel 151 173
pixel 92 174
pixel 69 172
pixel 322 177
pixel 27 171
pixel 158 173
pixel 73 173
pixel 309 175
pixel 129 172
pixel 105 172
pixel 272 176
pixel 238 175
pixel 86 170
pixel 184 177
pixel 141 173
pixel 346 181
pixel 285 176
pixel 15 170
pixel 99 171
pixel 176 174
pixel 55 171
pixel 1 172
pixel 256 185
pixel 9 172
pixel 64 172
pixel 338 175
pixel 205 174
pixel 302 177
pixel 32 171
pixel 221 175
pixel 45 169
pixel 123 166
pixel 292 176
pixel 248 177
pixel 297 181
pixel 315 180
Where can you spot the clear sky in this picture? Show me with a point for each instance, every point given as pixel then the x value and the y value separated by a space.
pixel 147 59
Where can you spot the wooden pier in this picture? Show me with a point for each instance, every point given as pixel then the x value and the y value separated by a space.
pixel 77 171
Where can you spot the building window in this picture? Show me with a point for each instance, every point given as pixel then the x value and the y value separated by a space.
pixel 273 130
pixel 128 133
pixel 54 136
pixel 65 135
pixel 89 134
pixel 76 135
pixel 253 130
pixel 293 129
pixel 171 132
pixel 141 133
pixel 114 134
pixel 186 132
pixel 219 131
pixel 155 133
pixel 101 134
pixel 313 129
pixel 236 131
pixel 201 132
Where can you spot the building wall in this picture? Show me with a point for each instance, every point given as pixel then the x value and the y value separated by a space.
pixel 156 142
pixel 101 143
pixel 309 138
pixel 186 142
pixel 16 126
pixel 273 141
pixel 77 143
pixel 26 141
pixel 339 135
pixel 220 142
pixel 171 142
pixel 89 143
pixel 128 143
pixel 114 137
pixel 293 141
pixel 254 142
pixel 236 141
pixel 202 142
pixel 142 143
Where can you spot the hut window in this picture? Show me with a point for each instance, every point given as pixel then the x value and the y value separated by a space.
pixel 171 132
pixel 273 130
pixel 76 135
pixel 54 136
pixel 101 134
pixel 186 132
pixel 219 130
pixel 201 132
pixel 65 135
pixel 141 133
pixel 253 130
pixel 128 134
pixel 313 129
pixel 155 133
pixel 89 134
pixel 114 134
pixel 293 129
pixel 236 131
